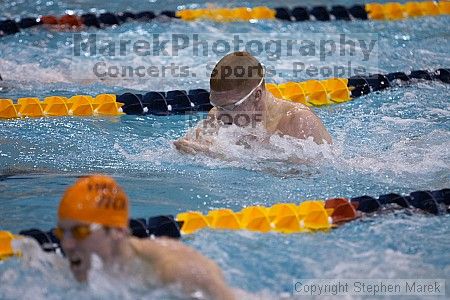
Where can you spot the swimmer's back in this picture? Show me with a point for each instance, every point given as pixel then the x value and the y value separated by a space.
pixel 296 120
pixel 174 262
pixel 290 118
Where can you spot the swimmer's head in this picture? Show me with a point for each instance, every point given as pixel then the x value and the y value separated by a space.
pixel 95 199
pixel 92 219
pixel 237 83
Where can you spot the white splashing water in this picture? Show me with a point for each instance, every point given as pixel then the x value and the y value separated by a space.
pixel 253 149
pixel 249 148
pixel 19 72
pixel 47 276
pixel 405 158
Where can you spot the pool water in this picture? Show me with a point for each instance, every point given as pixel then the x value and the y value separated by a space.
pixel 397 140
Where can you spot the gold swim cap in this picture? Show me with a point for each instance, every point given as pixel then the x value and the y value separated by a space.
pixel 95 199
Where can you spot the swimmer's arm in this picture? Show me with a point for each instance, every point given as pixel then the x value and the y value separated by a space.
pixel 200 138
pixel 303 124
pixel 193 147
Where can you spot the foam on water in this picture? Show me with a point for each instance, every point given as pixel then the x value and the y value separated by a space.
pixel 36 269
pixel 233 146
pixel 425 155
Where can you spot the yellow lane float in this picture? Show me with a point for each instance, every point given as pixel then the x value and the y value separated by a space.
pixel 281 217
pixel 227 14
pixel 313 92
pixel 6 249
pixel 57 106
pixel 392 11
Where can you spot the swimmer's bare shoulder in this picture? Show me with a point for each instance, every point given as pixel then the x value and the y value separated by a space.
pixel 175 262
pixel 300 121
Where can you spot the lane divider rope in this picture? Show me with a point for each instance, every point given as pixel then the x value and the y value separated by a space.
pixel 287 218
pixel 372 11
pixel 311 93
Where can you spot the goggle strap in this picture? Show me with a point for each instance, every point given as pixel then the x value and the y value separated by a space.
pixel 248 95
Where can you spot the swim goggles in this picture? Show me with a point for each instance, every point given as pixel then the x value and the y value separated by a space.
pixel 231 107
pixel 79 232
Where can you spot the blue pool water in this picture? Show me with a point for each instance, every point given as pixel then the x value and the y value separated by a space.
pixel 397 140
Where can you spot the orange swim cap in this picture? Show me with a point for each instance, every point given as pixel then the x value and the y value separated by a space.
pixel 95 199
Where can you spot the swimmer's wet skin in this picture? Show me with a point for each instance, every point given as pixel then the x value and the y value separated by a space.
pixel 93 220
pixel 235 95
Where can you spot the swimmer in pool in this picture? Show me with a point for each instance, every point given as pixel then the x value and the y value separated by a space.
pixel 93 219
pixel 238 96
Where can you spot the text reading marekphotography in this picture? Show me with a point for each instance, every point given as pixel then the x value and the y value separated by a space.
pixel 194 55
